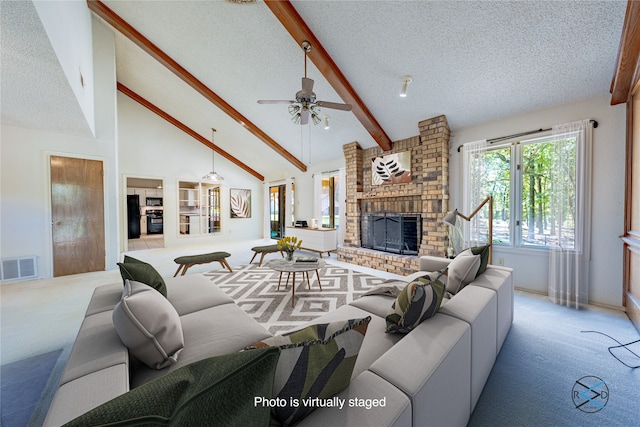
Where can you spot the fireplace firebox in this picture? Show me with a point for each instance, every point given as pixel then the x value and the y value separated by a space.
pixel 391 232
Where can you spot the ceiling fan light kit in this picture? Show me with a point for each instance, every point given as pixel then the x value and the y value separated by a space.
pixel 306 106
pixel 406 80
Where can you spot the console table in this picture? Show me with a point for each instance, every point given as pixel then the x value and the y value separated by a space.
pixel 315 239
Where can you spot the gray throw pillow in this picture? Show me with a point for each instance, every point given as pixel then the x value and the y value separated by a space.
pixel 148 325
pixel 462 270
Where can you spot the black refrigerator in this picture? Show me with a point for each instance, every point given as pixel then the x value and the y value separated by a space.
pixel 133 215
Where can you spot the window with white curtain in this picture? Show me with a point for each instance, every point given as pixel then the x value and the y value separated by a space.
pixel 530 209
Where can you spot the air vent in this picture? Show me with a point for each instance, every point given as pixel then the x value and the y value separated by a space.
pixel 19 268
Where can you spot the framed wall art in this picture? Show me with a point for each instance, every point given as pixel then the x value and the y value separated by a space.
pixel 391 169
pixel 240 203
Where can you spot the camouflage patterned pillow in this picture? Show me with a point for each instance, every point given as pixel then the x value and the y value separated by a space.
pixel 315 362
pixel 418 301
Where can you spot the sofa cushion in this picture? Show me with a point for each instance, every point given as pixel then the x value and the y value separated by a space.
pixel 418 301
pixel 148 325
pixel 97 346
pixel 219 390
pixel 194 292
pixel 140 271
pixel 76 397
pixel 462 270
pixel 376 341
pixel 315 362
pixel 210 332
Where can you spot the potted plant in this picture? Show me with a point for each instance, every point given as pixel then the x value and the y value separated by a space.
pixel 289 244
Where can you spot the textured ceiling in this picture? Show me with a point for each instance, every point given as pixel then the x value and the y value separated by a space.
pixel 472 61
pixel 35 92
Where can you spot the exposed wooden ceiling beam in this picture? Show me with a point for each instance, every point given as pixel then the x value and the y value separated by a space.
pixel 142 101
pixel 109 16
pixel 628 62
pixel 300 31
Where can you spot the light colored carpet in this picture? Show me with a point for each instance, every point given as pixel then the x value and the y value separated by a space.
pixel 255 290
pixel 534 379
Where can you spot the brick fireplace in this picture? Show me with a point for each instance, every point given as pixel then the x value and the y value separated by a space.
pixel 427 194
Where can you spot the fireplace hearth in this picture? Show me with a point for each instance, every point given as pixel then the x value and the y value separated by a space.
pixel 392 232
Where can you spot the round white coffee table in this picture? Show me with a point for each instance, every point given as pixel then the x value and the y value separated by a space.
pixel 294 267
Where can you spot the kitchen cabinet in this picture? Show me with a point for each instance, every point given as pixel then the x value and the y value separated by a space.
pixel 143 225
pixel 188 197
pixel 190 224
pixel 143 193
pixel 184 224
pixel 315 239
pixel 152 192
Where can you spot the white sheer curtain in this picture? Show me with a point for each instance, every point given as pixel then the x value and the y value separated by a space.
pixel 571 210
pixel 475 172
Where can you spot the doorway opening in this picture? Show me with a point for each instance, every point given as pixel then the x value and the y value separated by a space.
pixel 145 213
pixel 277 208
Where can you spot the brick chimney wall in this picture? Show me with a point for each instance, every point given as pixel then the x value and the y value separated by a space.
pixel 427 194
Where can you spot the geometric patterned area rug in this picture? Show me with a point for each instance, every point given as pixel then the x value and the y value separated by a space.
pixel 255 290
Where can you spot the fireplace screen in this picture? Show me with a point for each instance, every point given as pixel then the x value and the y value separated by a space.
pixel 392 232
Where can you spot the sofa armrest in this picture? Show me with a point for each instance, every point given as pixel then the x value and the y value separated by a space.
pixel 433 263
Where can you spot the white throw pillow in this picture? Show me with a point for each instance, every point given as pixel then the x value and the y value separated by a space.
pixel 462 270
pixel 148 325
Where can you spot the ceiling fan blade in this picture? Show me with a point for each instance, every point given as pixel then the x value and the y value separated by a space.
pixel 275 101
pixel 307 86
pixel 334 105
pixel 304 117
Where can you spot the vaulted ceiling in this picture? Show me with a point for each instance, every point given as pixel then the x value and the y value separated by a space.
pixel 472 61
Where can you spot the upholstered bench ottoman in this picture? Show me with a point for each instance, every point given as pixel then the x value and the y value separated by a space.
pixel 189 261
pixel 263 250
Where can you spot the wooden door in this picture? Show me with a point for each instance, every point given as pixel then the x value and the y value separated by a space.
pixel 632 217
pixel 625 87
pixel 77 212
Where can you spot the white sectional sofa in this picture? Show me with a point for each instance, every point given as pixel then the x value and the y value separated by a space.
pixel 433 375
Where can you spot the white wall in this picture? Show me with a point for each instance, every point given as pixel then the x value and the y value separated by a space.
pixel 304 186
pixel 25 209
pixel 150 147
pixel 68 26
pixel 531 266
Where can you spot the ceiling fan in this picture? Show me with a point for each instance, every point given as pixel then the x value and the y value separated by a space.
pixel 306 105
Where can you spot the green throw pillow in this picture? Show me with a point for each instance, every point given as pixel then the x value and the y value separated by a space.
pixel 140 271
pixel 315 362
pixel 219 391
pixel 483 251
pixel 418 301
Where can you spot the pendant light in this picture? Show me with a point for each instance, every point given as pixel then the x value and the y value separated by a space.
pixel 213 175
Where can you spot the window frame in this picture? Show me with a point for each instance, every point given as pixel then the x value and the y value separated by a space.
pixel 201 203
pixel 516 240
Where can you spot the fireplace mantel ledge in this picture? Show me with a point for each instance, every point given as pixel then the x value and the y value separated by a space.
pixel 375 195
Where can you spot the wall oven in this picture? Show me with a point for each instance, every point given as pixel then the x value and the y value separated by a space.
pixel 154 222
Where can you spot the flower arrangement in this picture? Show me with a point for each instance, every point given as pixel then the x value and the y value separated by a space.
pixel 289 244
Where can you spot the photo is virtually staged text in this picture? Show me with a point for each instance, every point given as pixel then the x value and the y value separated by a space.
pixel 317 402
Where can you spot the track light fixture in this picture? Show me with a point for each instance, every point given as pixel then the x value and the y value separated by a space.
pixel 405 83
